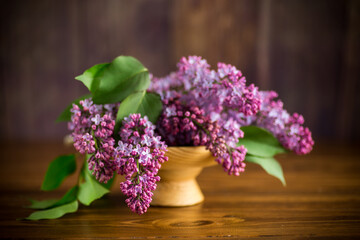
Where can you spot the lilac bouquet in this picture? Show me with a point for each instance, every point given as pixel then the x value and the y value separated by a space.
pixel 129 119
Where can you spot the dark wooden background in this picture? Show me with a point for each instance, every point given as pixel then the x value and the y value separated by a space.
pixel 308 51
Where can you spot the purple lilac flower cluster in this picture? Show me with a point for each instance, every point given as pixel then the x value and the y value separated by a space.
pixel 92 128
pixel 186 125
pixel 287 128
pixel 224 96
pixel 216 92
pixel 217 95
pixel 221 94
pixel 181 125
pixel 139 156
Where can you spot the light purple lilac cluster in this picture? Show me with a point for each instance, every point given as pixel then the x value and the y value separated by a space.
pixel 186 125
pixel 139 156
pixel 287 128
pixel 218 95
pixel 225 98
pixel 92 128
pixel 216 92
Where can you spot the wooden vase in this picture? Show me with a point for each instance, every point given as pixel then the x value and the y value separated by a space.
pixel 178 186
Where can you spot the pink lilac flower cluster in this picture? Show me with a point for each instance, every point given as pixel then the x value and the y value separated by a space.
pixel 287 128
pixel 139 156
pixel 92 128
pixel 186 125
pixel 216 92
pixel 224 96
pixel 218 95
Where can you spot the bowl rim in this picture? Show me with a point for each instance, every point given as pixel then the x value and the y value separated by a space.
pixel 189 156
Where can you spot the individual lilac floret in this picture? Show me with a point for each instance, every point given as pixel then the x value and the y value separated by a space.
pixel 287 128
pixel 92 128
pixel 182 125
pixel 139 156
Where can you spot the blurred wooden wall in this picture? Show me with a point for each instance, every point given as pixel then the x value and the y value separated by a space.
pixel 307 51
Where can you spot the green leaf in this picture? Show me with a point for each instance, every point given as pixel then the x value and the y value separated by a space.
pixel 270 165
pixel 91 77
pixel 90 190
pixel 69 196
pixel 54 212
pixel 42 204
pixel 147 104
pixel 260 142
pixel 58 170
pixel 119 79
pixel 65 116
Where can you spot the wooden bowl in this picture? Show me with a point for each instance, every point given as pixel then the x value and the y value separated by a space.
pixel 178 186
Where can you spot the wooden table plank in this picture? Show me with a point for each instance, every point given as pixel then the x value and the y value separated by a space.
pixel 321 201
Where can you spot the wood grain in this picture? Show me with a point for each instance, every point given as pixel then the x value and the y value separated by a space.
pixel 321 201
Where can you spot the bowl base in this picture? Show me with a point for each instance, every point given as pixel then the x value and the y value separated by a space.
pixel 177 193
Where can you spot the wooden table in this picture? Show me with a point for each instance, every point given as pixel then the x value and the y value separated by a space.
pixel 321 201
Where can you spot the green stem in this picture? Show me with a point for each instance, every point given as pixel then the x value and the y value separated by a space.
pixel 80 176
